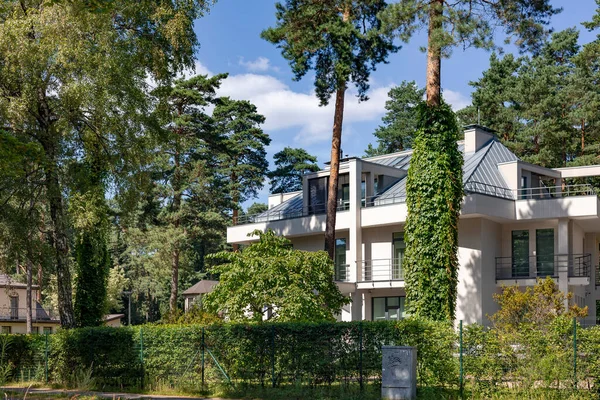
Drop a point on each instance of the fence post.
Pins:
(142, 356)
(460, 357)
(202, 348)
(575, 352)
(46, 359)
(360, 354)
(273, 354)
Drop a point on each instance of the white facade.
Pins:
(518, 222)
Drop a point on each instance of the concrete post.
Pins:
(399, 372)
(355, 234)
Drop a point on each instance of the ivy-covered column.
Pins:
(434, 196)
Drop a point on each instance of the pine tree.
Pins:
(400, 121)
(341, 41)
(290, 165)
(431, 233)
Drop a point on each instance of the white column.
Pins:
(355, 234)
(590, 291)
(563, 261)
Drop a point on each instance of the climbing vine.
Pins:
(434, 194)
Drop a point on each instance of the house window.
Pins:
(47, 329)
(14, 307)
(35, 330)
(6, 329)
(544, 250)
(317, 195)
(344, 197)
(523, 187)
(398, 249)
(385, 308)
(340, 260)
(520, 254)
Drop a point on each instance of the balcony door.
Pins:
(520, 254)
(14, 307)
(398, 249)
(544, 250)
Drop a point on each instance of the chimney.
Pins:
(476, 137)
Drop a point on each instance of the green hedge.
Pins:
(307, 354)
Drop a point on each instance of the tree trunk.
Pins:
(38, 293)
(334, 170)
(176, 223)
(434, 55)
(582, 135)
(29, 326)
(59, 238)
(235, 212)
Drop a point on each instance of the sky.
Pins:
(229, 37)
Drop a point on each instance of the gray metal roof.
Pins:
(480, 174)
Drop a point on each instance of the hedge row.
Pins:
(267, 354)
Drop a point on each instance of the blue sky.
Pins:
(230, 42)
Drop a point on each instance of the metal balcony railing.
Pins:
(20, 314)
(541, 266)
(296, 212)
(385, 269)
(342, 272)
(553, 192)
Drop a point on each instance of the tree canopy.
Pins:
(269, 280)
(290, 165)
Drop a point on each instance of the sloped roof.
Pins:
(204, 286)
(480, 174)
(9, 281)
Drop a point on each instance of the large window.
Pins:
(544, 250)
(317, 195)
(341, 268)
(520, 254)
(387, 308)
(398, 249)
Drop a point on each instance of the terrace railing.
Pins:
(541, 266)
(20, 314)
(384, 269)
(342, 272)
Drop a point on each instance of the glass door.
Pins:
(340, 260)
(14, 307)
(544, 247)
(398, 249)
(520, 254)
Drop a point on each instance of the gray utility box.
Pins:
(399, 372)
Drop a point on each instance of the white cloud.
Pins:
(456, 99)
(261, 64)
(199, 69)
(285, 108)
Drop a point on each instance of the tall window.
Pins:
(14, 307)
(544, 250)
(341, 268)
(387, 308)
(398, 249)
(520, 254)
(317, 195)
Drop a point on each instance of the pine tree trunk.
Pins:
(176, 222)
(235, 213)
(38, 293)
(29, 326)
(334, 170)
(434, 55)
(582, 136)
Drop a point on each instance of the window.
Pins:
(398, 249)
(384, 308)
(344, 197)
(523, 187)
(340, 260)
(47, 329)
(14, 307)
(544, 250)
(35, 330)
(520, 254)
(6, 329)
(317, 195)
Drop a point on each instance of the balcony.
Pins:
(385, 270)
(38, 314)
(342, 273)
(541, 266)
(289, 213)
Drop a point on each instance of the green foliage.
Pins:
(298, 285)
(338, 39)
(400, 120)
(473, 23)
(100, 354)
(257, 208)
(193, 315)
(434, 195)
(290, 165)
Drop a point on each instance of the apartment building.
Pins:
(518, 222)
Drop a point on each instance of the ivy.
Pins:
(434, 194)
